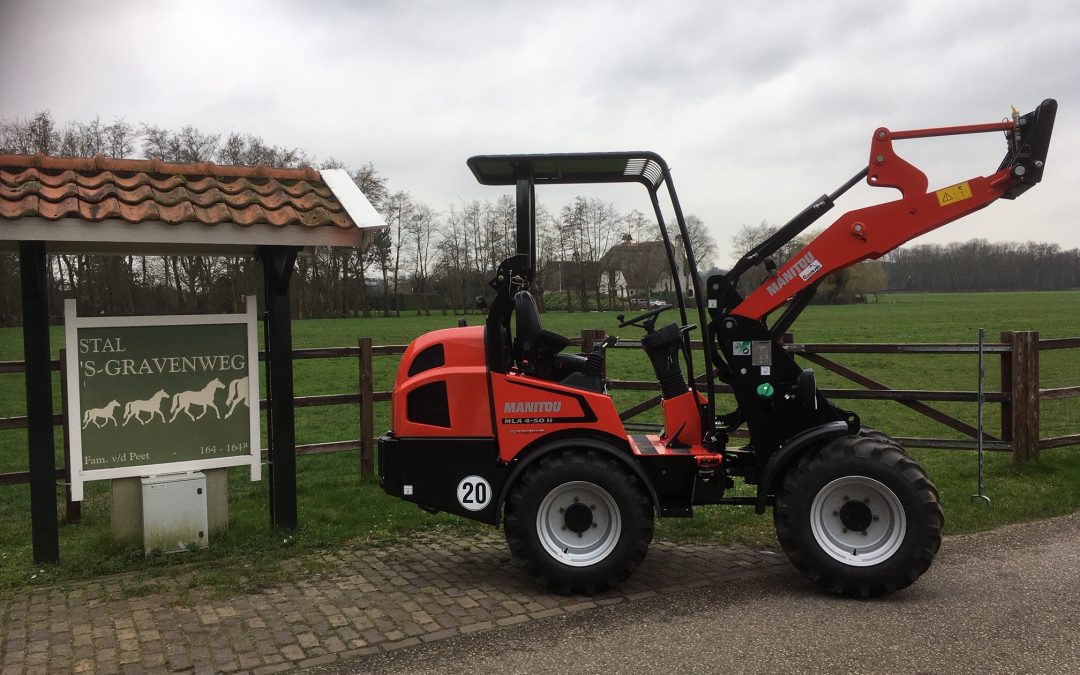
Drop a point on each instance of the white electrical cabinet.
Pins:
(174, 512)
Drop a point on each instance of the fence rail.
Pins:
(1019, 396)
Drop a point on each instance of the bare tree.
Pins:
(702, 243)
(187, 146)
(421, 229)
(250, 150)
(26, 137)
(399, 210)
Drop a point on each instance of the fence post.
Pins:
(586, 340)
(1006, 387)
(72, 510)
(367, 418)
(1025, 394)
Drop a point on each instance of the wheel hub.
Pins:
(856, 515)
(578, 517)
(578, 523)
(858, 521)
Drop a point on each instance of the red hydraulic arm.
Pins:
(874, 231)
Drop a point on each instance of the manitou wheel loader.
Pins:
(499, 423)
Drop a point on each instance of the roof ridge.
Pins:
(100, 163)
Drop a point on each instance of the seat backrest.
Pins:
(527, 325)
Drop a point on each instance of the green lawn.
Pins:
(337, 509)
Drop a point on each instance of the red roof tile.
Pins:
(98, 188)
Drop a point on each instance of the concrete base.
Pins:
(127, 525)
(217, 500)
(127, 510)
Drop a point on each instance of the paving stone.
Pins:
(334, 644)
(318, 661)
(307, 640)
(368, 601)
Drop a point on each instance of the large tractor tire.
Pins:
(579, 522)
(859, 517)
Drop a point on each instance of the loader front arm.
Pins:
(871, 232)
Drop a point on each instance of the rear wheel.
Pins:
(859, 517)
(579, 522)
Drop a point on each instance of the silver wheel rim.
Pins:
(559, 524)
(843, 507)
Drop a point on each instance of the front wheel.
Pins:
(859, 517)
(578, 522)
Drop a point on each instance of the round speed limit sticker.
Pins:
(473, 493)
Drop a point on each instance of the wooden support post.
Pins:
(39, 402)
(586, 340)
(1006, 387)
(600, 335)
(281, 426)
(72, 509)
(367, 412)
(1025, 394)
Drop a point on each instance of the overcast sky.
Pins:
(758, 107)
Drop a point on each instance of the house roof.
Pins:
(148, 205)
(628, 249)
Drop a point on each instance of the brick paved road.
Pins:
(368, 601)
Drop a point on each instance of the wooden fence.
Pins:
(1019, 395)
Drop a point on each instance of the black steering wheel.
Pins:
(651, 314)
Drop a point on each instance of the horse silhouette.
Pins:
(105, 414)
(151, 405)
(204, 397)
(238, 393)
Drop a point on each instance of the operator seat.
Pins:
(537, 350)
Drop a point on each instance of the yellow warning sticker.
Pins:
(955, 193)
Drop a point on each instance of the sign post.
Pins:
(152, 395)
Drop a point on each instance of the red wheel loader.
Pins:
(499, 423)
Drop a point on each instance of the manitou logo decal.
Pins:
(532, 406)
(806, 267)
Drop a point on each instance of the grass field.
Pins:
(336, 508)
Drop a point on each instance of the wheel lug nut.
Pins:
(836, 513)
(866, 500)
(864, 533)
(845, 498)
(562, 510)
(877, 517)
(845, 530)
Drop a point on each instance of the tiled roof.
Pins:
(135, 191)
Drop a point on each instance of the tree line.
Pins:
(440, 260)
(975, 265)
(981, 265)
(427, 259)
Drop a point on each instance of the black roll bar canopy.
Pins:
(644, 167)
